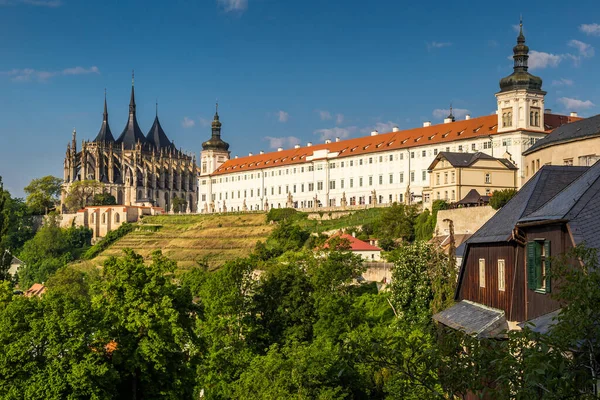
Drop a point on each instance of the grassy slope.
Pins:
(191, 238)
(213, 239)
(355, 218)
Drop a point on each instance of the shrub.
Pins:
(109, 239)
(501, 197)
(284, 214)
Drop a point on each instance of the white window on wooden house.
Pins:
(501, 275)
(482, 272)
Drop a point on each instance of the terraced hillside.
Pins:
(187, 239)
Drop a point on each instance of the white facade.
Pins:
(381, 168)
(325, 177)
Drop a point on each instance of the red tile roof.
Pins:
(434, 134)
(356, 244)
(37, 289)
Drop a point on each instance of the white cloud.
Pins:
(39, 3)
(29, 74)
(444, 112)
(575, 104)
(540, 59)
(332, 133)
(188, 122)
(437, 45)
(562, 82)
(283, 116)
(585, 50)
(381, 127)
(283, 141)
(324, 115)
(590, 29)
(233, 5)
(339, 118)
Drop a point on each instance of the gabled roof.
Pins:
(157, 136)
(470, 129)
(579, 130)
(579, 205)
(37, 289)
(474, 319)
(356, 244)
(459, 160)
(473, 197)
(543, 186)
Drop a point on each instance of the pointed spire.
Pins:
(105, 115)
(132, 100)
(450, 115)
(156, 108)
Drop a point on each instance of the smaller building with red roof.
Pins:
(367, 251)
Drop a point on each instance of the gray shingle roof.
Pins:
(579, 203)
(543, 186)
(473, 319)
(467, 159)
(578, 130)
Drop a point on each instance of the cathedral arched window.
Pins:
(503, 119)
(509, 119)
(139, 194)
(537, 119)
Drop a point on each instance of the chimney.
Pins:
(426, 124)
(262, 152)
(250, 154)
(548, 111)
(448, 120)
(468, 117)
(236, 157)
(573, 114)
(395, 129)
(297, 146)
(308, 144)
(337, 139)
(327, 141)
(280, 149)
(374, 133)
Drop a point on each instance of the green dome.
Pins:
(521, 78)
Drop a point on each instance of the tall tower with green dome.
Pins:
(521, 98)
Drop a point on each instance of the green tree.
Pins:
(4, 256)
(396, 222)
(81, 194)
(50, 249)
(43, 194)
(50, 350)
(416, 267)
(103, 199)
(150, 319)
(179, 204)
(501, 197)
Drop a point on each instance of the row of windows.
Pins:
(487, 178)
(500, 270)
(103, 219)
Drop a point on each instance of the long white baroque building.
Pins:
(376, 169)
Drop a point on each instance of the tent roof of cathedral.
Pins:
(105, 135)
(157, 136)
(473, 128)
(132, 132)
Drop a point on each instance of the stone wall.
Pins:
(466, 220)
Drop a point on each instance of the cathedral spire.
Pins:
(132, 99)
(132, 134)
(105, 114)
(105, 135)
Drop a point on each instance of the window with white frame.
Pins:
(482, 272)
(501, 275)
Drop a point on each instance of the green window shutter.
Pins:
(547, 251)
(531, 281)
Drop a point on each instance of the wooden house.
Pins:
(502, 280)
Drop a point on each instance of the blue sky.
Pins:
(283, 71)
